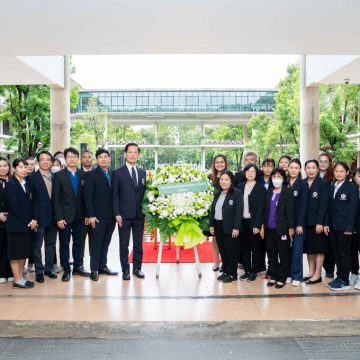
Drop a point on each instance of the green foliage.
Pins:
(27, 108)
(74, 96)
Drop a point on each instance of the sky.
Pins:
(181, 71)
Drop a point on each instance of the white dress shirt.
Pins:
(130, 170)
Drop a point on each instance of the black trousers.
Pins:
(87, 232)
(100, 241)
(5, 269)
(341, 245)
(355, 249)
(137, 227)
(229, 249)
(278, 255)
(251, 248)
(329, 260)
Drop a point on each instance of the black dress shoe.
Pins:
(30, 283)
(39, 278)
(81, 271)
(126, 275)
(306, 278)
(50, 274)
(107, 271)
(66, 275)
(94, 276)
(19, 286)
(138, 273)
(271, 283)
(313, 282)
(279, 285)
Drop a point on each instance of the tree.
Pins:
(27, 108)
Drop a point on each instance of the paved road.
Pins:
(159, 349)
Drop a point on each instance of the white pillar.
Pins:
(309, 116)
(202, 142)
(156, 128)
(60, 112)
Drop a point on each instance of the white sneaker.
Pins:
(57, 268)
(353, 279)
(10, 279)
(31, 268)
(357, 286)
(288, 280)
(296, 283)
(2, 280)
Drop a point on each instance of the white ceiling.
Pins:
(85, 27)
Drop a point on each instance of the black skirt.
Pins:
(315, 243)
(20, 245)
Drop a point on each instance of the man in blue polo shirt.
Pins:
(69, 212)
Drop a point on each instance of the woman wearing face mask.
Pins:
(250, 240)
(278, 227)
(315, 243)
(225, 224)
(219, 165)
(355, 243)
(343, 205)
(56, 166)
(300, 193)
(5, 269)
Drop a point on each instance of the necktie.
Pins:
(133, 176)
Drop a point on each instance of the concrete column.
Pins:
(202, 142)
(156, 129)
(60, 112)
(309, 116)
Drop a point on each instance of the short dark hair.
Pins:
(72, 151)
(44, 152)
(131, 144)
(29, 158)
(58, 153)
(100, 151)
(248, 167)
(280, 171)
(19, 161)
(232, 178)
(343, 164)
(268, 161)
(284, 157)
(312, 161)
(357, 171)
(86, 151)
(295, 161)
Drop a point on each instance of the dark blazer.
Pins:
(318, 199)
(232, 211)
(284, 211)
(256, 204)
(127, 200)
(98, 195)
(20, 207)
(357, 219)
(300, 193)
(343, 209)
(3, 205)
(68, 206)
(43, 207)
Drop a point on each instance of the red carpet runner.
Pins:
(168, 255)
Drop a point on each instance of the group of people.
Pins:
(62, 200)
(277, 212)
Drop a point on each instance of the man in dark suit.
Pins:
(69, 212)
(128, 185)
(41, 187)
(99, 209)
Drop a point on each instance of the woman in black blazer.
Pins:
(5, 269)
(278, 227)
(355, 243)
(219, 165)
(20, 223)
(340, 224)
(300, 193)
(316, 241)
(253, 219)
(225, 224)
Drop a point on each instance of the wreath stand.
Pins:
(197, 261)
